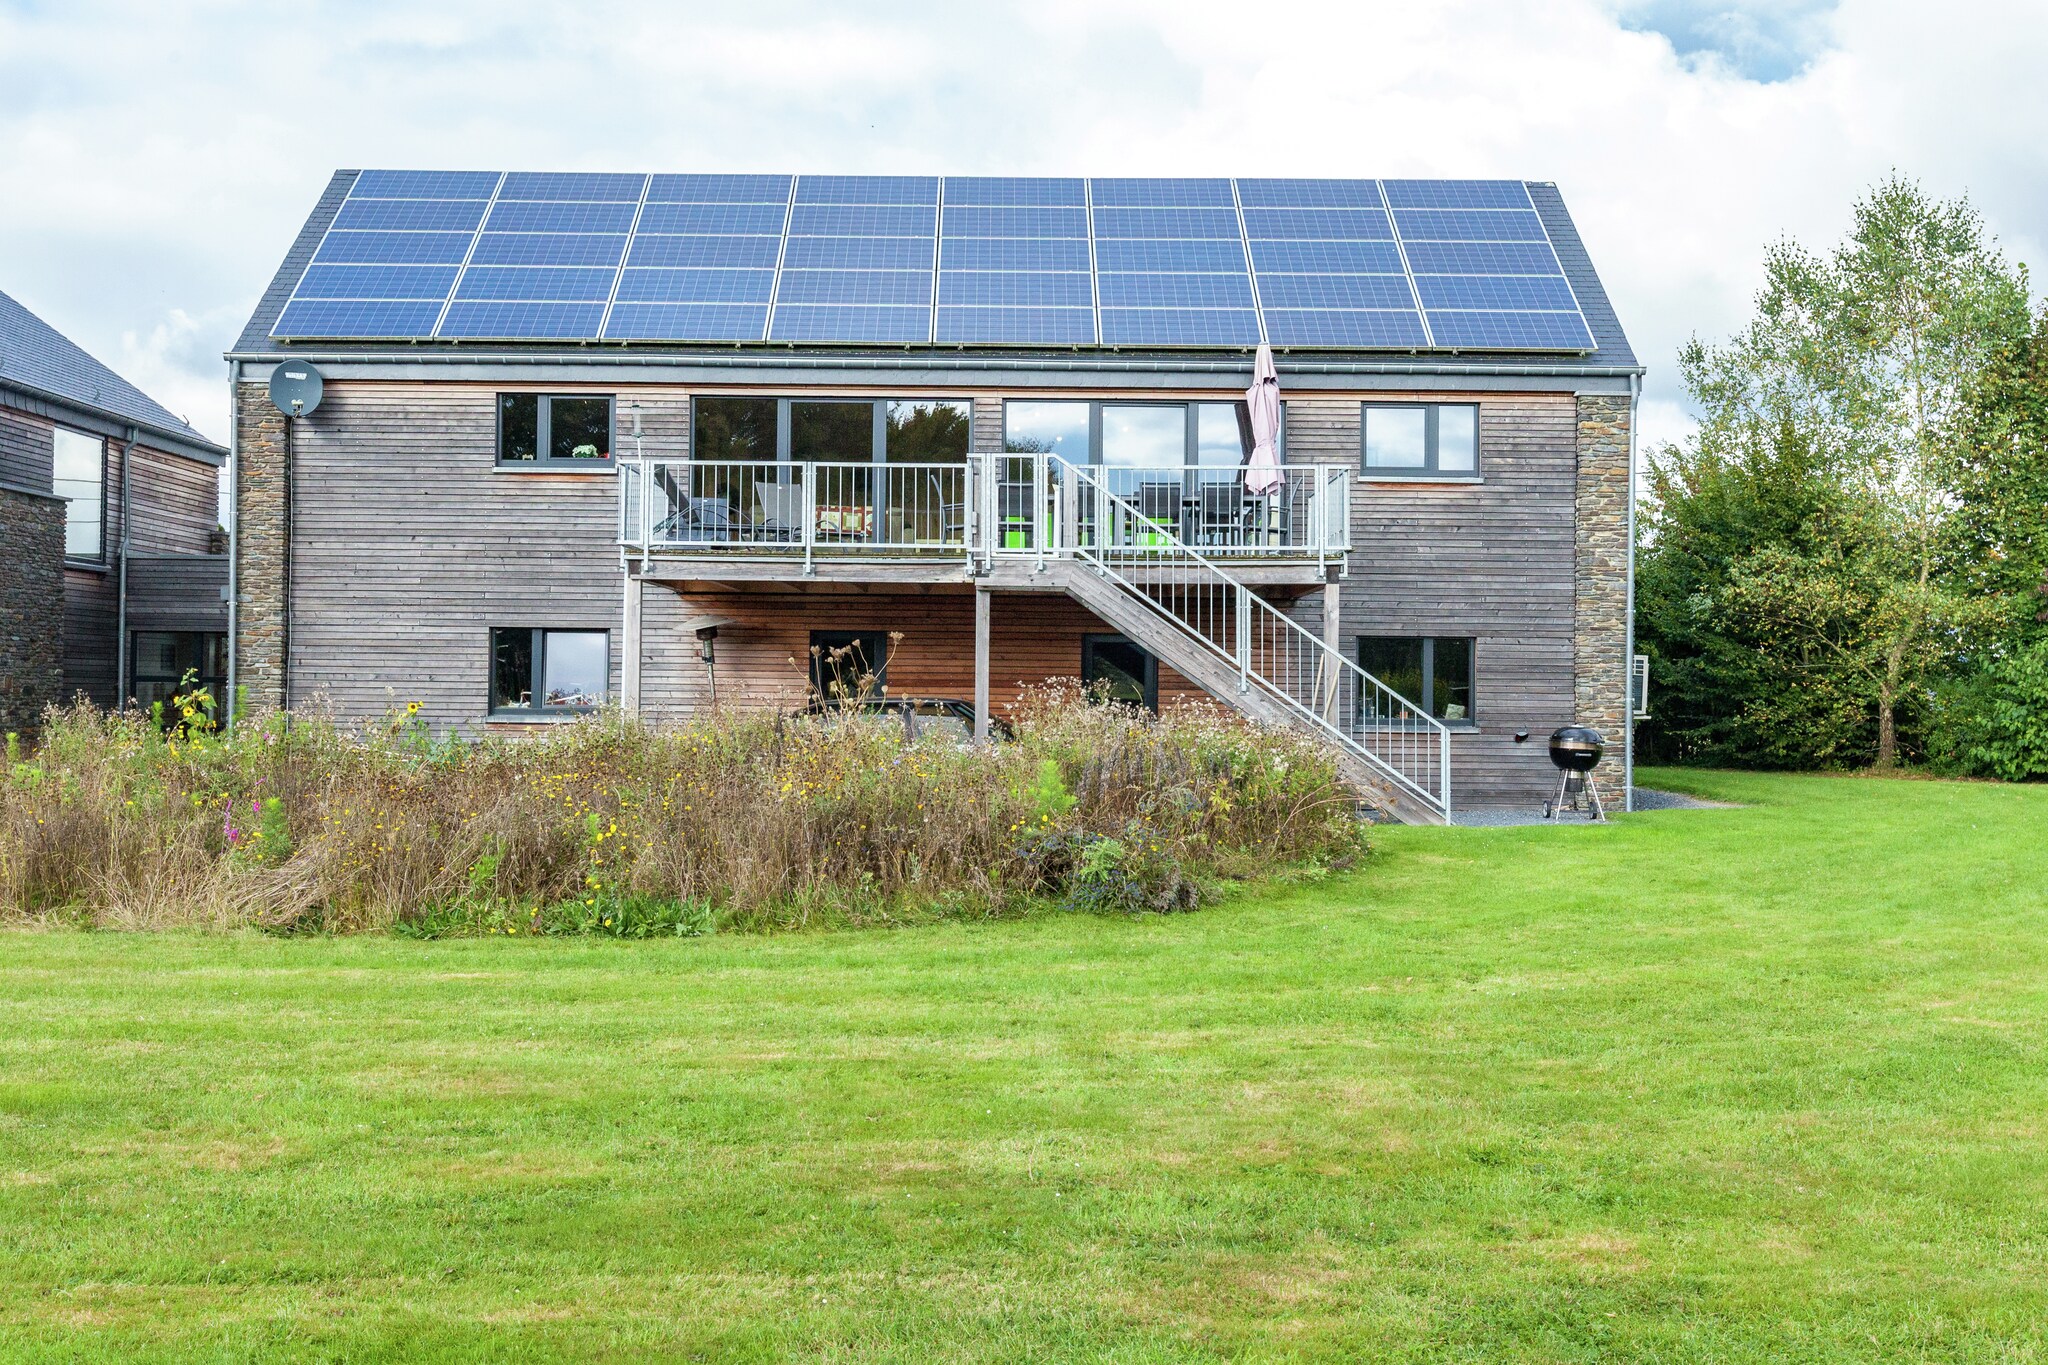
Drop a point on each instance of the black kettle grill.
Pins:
(1576, 751)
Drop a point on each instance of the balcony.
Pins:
(989, 515)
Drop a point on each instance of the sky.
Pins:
(159, 157)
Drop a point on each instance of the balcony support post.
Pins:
(1330, 637)
(982, 604)
(629, 649)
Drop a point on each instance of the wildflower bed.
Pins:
(612, 828)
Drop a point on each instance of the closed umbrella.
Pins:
(1262, 399)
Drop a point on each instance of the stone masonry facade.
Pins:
(261, 533)
(31, 606)
(1600, 583)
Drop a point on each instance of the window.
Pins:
(831, 430)
(1435, 671)
(1214, 438)
(1125, 672)
(159, 660)
(849, 665)
(1416, 440)
(78, 474)
(536, 429)
(541, 671)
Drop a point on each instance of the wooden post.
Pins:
(1330, 638)
(981, 620)
(629, 650)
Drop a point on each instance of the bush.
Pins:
(739, 820)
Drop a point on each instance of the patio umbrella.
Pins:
(1262, 400)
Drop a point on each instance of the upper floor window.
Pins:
(569, 429)
(78, 474)
(1420, 439)
(1212, 437)
(831, 430)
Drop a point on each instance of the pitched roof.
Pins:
(37, 358)
(392, 218)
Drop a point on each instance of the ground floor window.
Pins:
(549, 670)
(159, 660)
(1125, 672)
(849, 665)
(1432, 671)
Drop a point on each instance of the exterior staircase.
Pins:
(1138, 574)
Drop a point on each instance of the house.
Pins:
(112, 565)
(687, 440)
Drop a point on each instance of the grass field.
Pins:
(1755, 1084)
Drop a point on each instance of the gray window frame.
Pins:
(544, 431)
(878, 449)
(99, 560)
(1192, 441)
(1471, 717)
(1431, 469)
(1148, 685)
(538, 672)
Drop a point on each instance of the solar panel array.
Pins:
(873, 260)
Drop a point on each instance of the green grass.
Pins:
(1755, 1084)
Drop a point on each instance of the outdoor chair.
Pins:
(952, 512)
(780, 507)
(1222, 515)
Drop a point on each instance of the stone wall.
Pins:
(1600, 583)
(261, 534)
(31, 606)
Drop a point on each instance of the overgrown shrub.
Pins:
(743, 820)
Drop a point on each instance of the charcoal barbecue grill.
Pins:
(1576, 751)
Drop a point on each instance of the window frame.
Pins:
(1470, 720)
(1148, 685)
(878, 448)
(218, 682)
(1191, 447)
(1431, 469)
(537, 673)
(99, 559)
(544, 432)
(822, 640)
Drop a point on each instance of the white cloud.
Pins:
(174, 150)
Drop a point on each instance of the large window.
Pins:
(1214, 438)
(1432, 671)
(1416, 440)
(831, 430)
(554, 429)
(541, 671)
(159, 661)
(78, 474)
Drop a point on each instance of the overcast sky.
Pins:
(158, 157)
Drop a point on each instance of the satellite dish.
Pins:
(296, 387)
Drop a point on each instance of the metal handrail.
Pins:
(1270, 650)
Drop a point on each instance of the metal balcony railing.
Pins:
(984, 506)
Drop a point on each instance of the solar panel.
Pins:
(856, 286)
(619, 189)
(417, 215)
(1180, 327)
(697, 286)
(813, 322)
(737, 253)
(548, 248)
(695, 321)
(1016, 288)
(975, 260)
(986, 189)
(557, 217)
(1017, 326)
(522, 320)
(1175, 291)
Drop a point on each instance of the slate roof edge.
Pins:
(257, 331)
(1584, 278)
(66, 408)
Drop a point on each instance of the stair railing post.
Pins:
(970, 513)
(1244, 638)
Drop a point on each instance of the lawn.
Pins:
(1757, 1084)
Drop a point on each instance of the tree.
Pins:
(1865, 361)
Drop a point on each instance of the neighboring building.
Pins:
(681, 440)
(112, 568)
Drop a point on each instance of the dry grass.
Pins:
(766, 821)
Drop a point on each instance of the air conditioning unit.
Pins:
(1639, 687)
